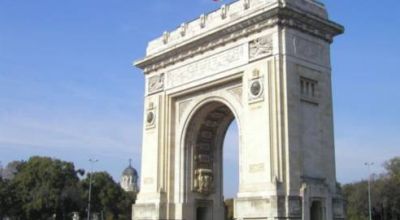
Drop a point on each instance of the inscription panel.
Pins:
(208, 66)
(144, 211)
(256, 168)
(310, 50)
(254, 208)
(148, 181)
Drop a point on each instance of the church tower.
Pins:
(129, 179)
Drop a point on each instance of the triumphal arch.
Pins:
(265, 63)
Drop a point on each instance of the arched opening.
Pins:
(230, 168)
(316, 210)
(210, 131)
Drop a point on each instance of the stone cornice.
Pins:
(281, 16)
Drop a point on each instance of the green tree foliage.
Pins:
(125, 205)
(44, 188)
(354, 193)
(9, 202)
(391, 190)
(385, 194)
(108, 198)
(393, 168)
(11, 169)
(4, 195)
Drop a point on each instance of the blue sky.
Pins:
(68, 89)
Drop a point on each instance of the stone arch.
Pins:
(202, 142)
(253, 62)
(224, 97)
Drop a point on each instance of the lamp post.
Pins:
(92, 161)
(369, 164)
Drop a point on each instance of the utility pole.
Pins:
(369, 164)
(90, 185)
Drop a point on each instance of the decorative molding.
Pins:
(156, 83)
(225, 60)
(316, 7)
(260, 47)
(284, 17)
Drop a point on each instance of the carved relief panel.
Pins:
(208, 66)
(155, 83)
(260, 47)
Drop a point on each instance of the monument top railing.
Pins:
(225, 20)
(224, 15)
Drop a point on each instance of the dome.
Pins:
(129, 171)
(129, 179)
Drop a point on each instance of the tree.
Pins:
(108, 197)
(393, 168)
(385, 193)
(125, 205)
(9, 202)
(11, 169)
(354, 193)
(46, 187)
(391, 190)
(4, 195)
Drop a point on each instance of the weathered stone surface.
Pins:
(265, 63)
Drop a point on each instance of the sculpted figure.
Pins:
(204, 181)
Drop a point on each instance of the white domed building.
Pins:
(129, 179)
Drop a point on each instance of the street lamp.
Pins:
(369, 164)
(92, 161)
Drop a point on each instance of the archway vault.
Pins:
(203, 168)
(207, 115)
(209, 132)
(202, 116)
(265, 63)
